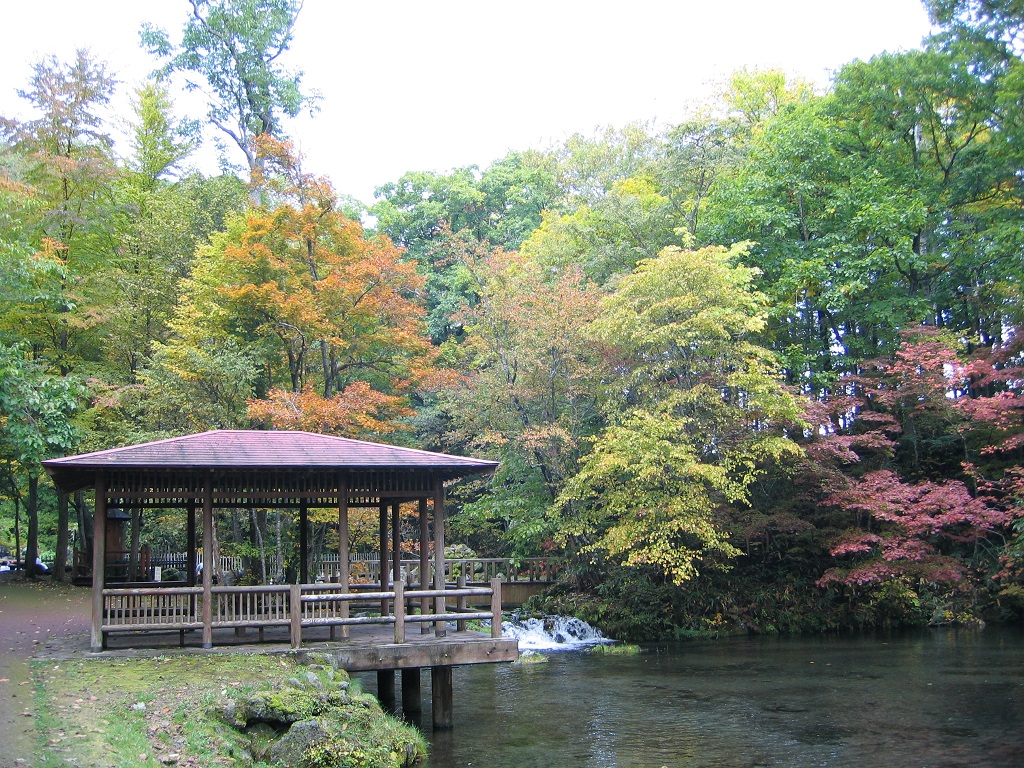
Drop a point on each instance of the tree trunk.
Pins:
(17, 530)
(259, 523)
(84, 525)
(218, 575)
(60, 558)
(279, 571)
(136, 543)
(32, 511)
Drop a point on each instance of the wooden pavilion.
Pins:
(225, 469)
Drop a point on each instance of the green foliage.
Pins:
(34, 410)
(160, 141)
(500, 207)
(230, 50)
(649, 499)
(883, 204)
(701, 415)
(63, 172)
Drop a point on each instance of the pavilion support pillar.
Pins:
(412, 701)
(303, 543)
(208, 564)
(386, 688)
(190, 527)
(440, 627)
(442, 698)
(99, 564)
(396, 542)
(383, 562)
(424, 564)
(343, 554)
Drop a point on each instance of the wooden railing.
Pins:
(366, 567)
(266, 606)
(169, 608)
(296, 606)
(483, 569)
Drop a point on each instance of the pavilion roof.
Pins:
(248, 450)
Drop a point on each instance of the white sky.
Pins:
(427, 85)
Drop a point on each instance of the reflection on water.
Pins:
(936, 699)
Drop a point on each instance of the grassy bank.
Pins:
(170, 711)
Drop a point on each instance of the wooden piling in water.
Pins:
(411, 695)
(442, 698)
(386, 688)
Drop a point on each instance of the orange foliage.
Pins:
(355, 412)
(339, 306)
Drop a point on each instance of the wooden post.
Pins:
(495, 607)
(396, 543)
(424, 563)
(295, 614)
(191, 563)
(99, 565)
(386, 688)
(442, 698)
(399, 612)
(208, 564)
(384, 570)
(461, 602)
(190, 578)
(411, 698)
(440, 628)
(303, 543)
(343, 547)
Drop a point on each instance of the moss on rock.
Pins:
(318, 719)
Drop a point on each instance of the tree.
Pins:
(699, 415)
(630, 222)
(230, 49)
(65, 166)
(920, 459)
(159, 141)
(501, 207)
(34, 425)
(527, 392)
(302, 289)
(158, 227)
(1001, 20)
(883, 205)
(904, 528)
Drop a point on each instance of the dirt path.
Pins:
(30, 614)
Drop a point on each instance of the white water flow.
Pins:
(552, 633)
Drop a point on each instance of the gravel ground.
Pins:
(31, 614)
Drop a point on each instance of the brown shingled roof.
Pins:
(257, 449)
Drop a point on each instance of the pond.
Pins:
(938, 698)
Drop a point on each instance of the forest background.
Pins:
(758, 370)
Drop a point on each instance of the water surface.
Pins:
(941, 698)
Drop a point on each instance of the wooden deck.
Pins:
(368, 648)
(408, 629)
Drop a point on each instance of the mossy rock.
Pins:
(530, 657)
(310, 694)
(316, 719)
(331, 742)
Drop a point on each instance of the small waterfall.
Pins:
(552, 633)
